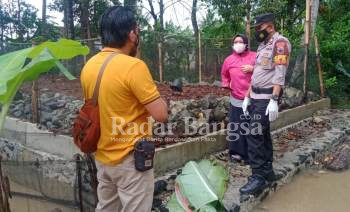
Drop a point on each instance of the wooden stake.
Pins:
(319, 67)
(282, 25)
(4, 191)
(199, 57)
(306, 50)
(160, 62)
(307, 22)
(35, 101)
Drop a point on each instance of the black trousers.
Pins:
(260, 151)
(237, 142)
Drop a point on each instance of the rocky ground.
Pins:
(338, 159)
(317, 141)
(204, 103)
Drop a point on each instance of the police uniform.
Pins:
(271, 65)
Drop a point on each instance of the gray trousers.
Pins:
(121, 188)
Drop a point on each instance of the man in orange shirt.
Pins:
(128, 97)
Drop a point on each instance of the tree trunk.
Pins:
(85, 32)
(161, 15)
(68, 19)
(298, 67)
(247, 29)
(196, 31)
(152, 12)
(20, 28)
(43, 19)
(84, 19)
(160, 37)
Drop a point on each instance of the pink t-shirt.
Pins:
(232, 75)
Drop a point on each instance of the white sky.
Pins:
(179, 11)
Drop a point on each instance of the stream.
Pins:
(311, 191)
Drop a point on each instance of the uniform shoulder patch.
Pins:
(281, 53)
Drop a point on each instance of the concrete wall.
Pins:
(167, 158)
(296, 114)
(177, 155)
(30, 136)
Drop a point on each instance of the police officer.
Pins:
(268, 77)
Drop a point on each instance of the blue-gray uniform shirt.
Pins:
(272, 61)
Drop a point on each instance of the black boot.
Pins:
(271, 177)
(255, 184)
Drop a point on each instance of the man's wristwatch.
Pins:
(275, 98)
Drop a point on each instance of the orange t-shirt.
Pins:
(126, 86)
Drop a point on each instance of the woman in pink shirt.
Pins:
(236, 75)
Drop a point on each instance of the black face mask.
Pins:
(261, 35)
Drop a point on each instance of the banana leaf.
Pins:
(200, 187)
(339, 66)
(27, 64)
(217, 176)
(173, 205)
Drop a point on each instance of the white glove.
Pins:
(272, 110)
(245, 104)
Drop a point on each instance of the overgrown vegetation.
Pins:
(334, 31)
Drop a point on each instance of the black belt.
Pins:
(259, 90)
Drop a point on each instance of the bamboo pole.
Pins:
(319, 67)
(199, 57)
(160, 62)
(306, 47)
(282, 25)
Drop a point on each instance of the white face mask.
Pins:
(239, 47)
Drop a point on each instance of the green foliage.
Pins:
(341, 68)
(334, 37)
(28, 64)
(21, 24)
(232, 13)
(178, 44)
(218, 28)
(331, 82)
(96, 9)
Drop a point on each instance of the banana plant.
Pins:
(27, 64)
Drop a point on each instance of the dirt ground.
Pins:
(72, 88)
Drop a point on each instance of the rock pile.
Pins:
(57, 111)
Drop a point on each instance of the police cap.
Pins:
(264, 18)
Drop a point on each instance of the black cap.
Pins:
(264, 18)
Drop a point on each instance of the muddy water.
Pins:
(311, 191)
(27, 204)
